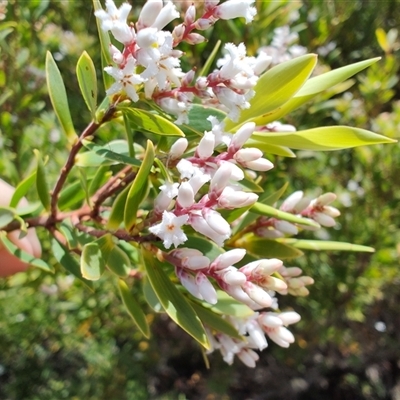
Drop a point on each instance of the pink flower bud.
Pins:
(185, 195)
(257, 294)
(232, 276)
(262, 268)
(190, 15)
(227, 259)
(178, 32)
(116, 55)
(242, 135)
(189, 283)
(194, 38)
(236, 199)
(205, 149)
(196, 262)
(206, 289)
(270, 320)
(286, 227)
(203, 24)
(289, 317)
(262, 164)
(324, 220)
(248, 357)
(331, 211)
(249, 154)
(210, 4)
(188, 78)
(199, 224)
(216, 221)
(178, 148)
(290, 203)
(167, 14)
(325, 199)
(220, 179)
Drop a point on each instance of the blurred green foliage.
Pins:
(60, 341)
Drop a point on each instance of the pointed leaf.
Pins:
(138, 188)
(151, 297)
(265, 248)
(92, 263)
(271, 148)
(7, 215)
(118, 262)
(117, 212)
(276, 86)
(71, 195)
(58, 97)
(87, 80)
(152, 123)
(268, 211)
(323, 139)
(133, 308)
(22, 189)
(23, 256)
(313, 87)
(325, 245)
(215, 321)
(173, 301)
(41, 183)
(69, 262)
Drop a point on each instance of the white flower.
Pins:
(169, 230)
(235, 9)
(114, 20)
(126, 79)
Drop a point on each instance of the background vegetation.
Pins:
(60, 341)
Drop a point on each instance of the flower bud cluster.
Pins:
(316, 209)
(189, 202)
(254, 330)
(296, 284)
(149, 61)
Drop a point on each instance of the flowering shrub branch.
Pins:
(187, 203)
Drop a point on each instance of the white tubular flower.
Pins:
(262, 164)
(205, 149)
(126, 80)
(286, 227)
(257, 294)
(178, 148)
(246, 155)
(231, 276)
(235, 9)
(186, 168)
(189, 283)
(227, 259)
(149, 13)
(167, 14)
(241, 136)
(206, 289)
(221, 179)
(231, 198)
(256, 334)
(233, 101)
(185, 195)
(114, 20)
(169, 230)
(257, 270)
(198, 179)
(279, 334)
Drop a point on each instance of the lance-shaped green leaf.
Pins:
(58, 97)
(173, 301)
(41, 183)
(22, 189)
(87, 80)
(271, 148)
(133, 308)
(100, 178)
(117, 212)
(215, 321)
(210, 59)
(265, 248)
(22, 255)
(114, 151)
(276, 86)
(137, 191)
(7, 215)
(151, 297)
(92, 262)
(325, 245)
(69, 262)
(313, 87)
(71, 195)
(150, 122)
(326, 138)
(268, 211)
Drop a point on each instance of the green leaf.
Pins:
(265, 248)
(271, 148)
(7, 215)
(87, 80)
(151, 297)
(58, 97)
(23, 256)
(150, 122)
(69, 262)
(92, 263)
(115, 151)
(22, 189)
(206, 246)
(313, 87)
(326, 138)
(214, 321)
(71, 195)
(210, 59)
(227, 305)
(173, 301)
(138, 188)
(325, 245)
(117, 212)
(276, 86)
(268, 211)
(133, 308)
(102, 175)
(41, 183)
